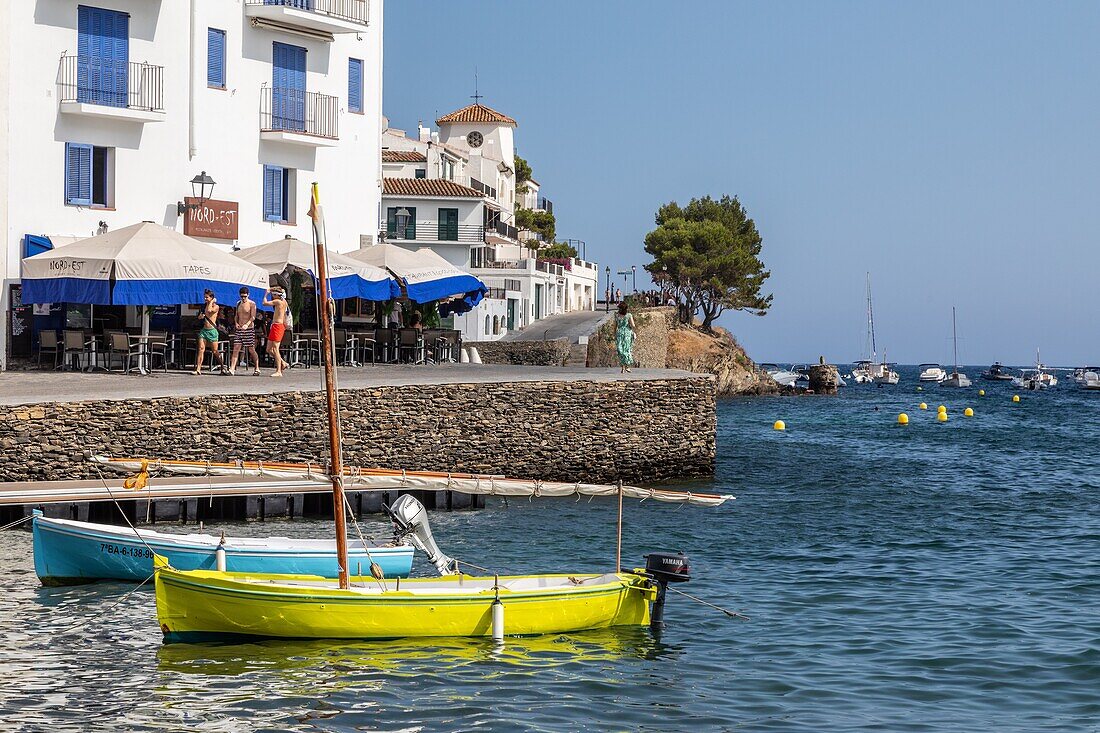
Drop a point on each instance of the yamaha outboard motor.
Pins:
(664, 568)
(410, 523)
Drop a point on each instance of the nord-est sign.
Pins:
(214, 219)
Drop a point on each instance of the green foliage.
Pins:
(558, 251)
(709, 253)
(431, 314)
(297, 297)
(523, 174)
(542, 222)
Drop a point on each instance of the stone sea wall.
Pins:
(639, 430)
(523, 353)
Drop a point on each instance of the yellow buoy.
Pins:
(942, 417)
(923, 406)
(1015, 398)
(981, 393)
(941, 408)
(780, 425)
(903, 419)
(969, 412)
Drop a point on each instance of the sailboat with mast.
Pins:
(868, 370)
(199, 605)
(862, 369)
(956, 378)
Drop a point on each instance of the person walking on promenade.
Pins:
(618, 296)
(277, 300)
(244, 333)
(624, 338)
(208, 333)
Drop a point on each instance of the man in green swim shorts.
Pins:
(208, 333)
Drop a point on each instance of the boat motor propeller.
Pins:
(664, 568)
(410, 523)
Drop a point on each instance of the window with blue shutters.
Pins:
(278, 194)
(78, 174)
(87, 175)
(355, 85)
(215, 58)
(103, 56)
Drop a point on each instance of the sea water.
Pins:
(931, 577)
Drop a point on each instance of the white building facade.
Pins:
(109, 108)
(472, 157)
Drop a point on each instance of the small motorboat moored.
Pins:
(997, 373)
(68, 552)
(930, 372)
(783, 377)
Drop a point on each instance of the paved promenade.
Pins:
(20, 388)
(569, 326)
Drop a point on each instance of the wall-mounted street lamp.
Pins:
(202, 188)
(402, 217)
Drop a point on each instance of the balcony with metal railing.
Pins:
(299, 117)
(501, 232)
(317, 16)
(105, 87)
(435, 231)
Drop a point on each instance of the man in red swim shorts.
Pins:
(276, 298)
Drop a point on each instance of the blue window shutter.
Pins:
(103, 55)
(215, 57)
(288, 82)
(78, 174)
(273, 193)
(355, 85)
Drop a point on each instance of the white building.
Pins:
(454, 191)
(108, 109)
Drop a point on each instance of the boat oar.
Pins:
(731, 614)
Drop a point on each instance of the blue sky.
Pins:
(950, 149)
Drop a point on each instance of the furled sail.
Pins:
(382, 479)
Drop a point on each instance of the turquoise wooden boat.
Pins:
(68, 552)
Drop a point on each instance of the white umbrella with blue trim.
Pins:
(347, 278)
(142, 264)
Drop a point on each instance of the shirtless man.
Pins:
(244, 333)
(208, 332)
(277, 300)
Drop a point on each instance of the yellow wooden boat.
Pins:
(200, 605)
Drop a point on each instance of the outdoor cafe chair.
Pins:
(345, 346)
(304, 349)
(77, 348)
(48, 343)
(366, 345)
(157, 348)
(384, 345)
(119, 345)
(411, 342)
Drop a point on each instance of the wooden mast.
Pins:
(336, 467)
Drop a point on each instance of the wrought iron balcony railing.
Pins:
(435, 231)
(356, 11)
(111, 83)
(293, 110)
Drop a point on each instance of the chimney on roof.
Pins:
(425, 133)
(435, 138)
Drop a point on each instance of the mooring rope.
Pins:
(107, 610)
(17, 521)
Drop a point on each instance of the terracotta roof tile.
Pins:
(475, 113)
(427, 187)
(403, 156)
